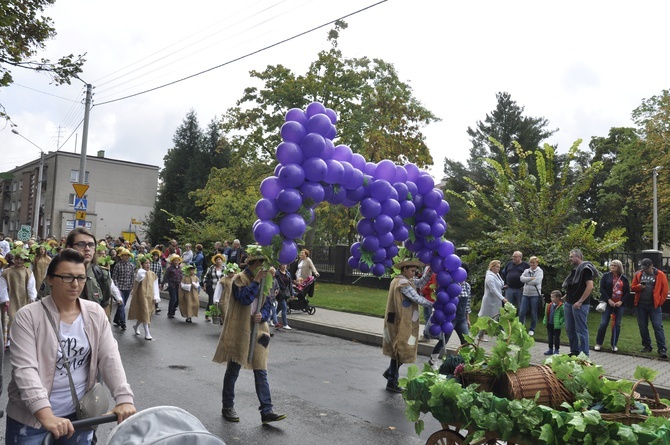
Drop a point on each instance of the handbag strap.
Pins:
(73, 392)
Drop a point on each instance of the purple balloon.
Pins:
(379, 255)
(370, 168)
(386, 239)
(291, 176)
(293, 132)
(355, 250)
(432, 199)
(438, 317)
(297, 115)
(278, 167)
(383, 223)
(445, 249)
(331, 115)
(327, 191)
(428, 215)
(459, 275)
(264, 231)
(370, 208)
(436, 263)
(452, 262)
(313, 191)
(442, 297)
(370, 243)
(289, 200)
(338, 196)
(391, 251)
(400, 234)
(289, 153)
(366, 227)
(378, 270)
(432, 244)
(318, 123)
(315, 169)
(391, 207)
(443, 279)
(425, 184)
(288, 252)
(454, 290)
(443, 208)
(449, 309)
(266, 208)
(435, 329)
(343, 153)
(292, 226)
(315, 108)
(412, 171)
(313, 145)
(437, 229)
(418, 201)
(380, 189)
(356, 194)
(422, 229)
(363, 267)
(402, 190)
(385, 170)
(358, 161)
(411, 187)
(270, 187)
(407, 209)
(331, 133)
(353, 262)
(357, 179)
(328, 150)
(447, 328)
(348, 174)
(425, 255)
(335, 173)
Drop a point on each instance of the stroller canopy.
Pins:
(164, 425)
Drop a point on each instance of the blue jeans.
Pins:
(18, 433)
(604, 321)
(120, 316)
(527, 301)
(514, 296)
(262, 387)
(281, 307)
(393, 373)
(173, 291)
(273, 314)
(645, 313)
(576, 327)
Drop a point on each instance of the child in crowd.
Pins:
(554, 318)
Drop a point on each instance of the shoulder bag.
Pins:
(95, 401)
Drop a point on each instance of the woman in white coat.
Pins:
(493, 296)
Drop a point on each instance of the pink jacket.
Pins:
(34, 353)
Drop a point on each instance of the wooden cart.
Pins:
(454, 434)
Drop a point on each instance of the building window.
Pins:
(71, 199)
(74, 177)
(13, 206)
(14, 186)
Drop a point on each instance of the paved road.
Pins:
(331, 388)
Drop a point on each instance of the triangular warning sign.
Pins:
(80, 189)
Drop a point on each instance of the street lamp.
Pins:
(38, 194)
(654, 174)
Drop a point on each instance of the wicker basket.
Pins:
(657, 408)
(626, 417)
(485, 380)
(525, 383)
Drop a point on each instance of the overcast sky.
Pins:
(583, 65)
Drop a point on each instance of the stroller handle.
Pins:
(81, 424)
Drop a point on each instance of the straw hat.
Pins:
(124, 252)
(173, 257)
(156, 251)
(3, 262)
(218, 255)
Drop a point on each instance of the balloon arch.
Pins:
(398, 204)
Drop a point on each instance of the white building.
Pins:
(120, 194)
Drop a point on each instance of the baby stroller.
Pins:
(301, 302)
(160, 425)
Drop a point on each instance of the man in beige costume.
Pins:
(401, 323)
(20, 284)
(234, 343)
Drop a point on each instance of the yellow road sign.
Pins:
(80, 190)
(81, 215)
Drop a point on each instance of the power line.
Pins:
(42, 92)
(244, 56)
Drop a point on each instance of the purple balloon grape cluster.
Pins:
(398, 204)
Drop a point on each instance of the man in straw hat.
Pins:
(401, 323)
(235, 341)
(123, 275)
(172, 278)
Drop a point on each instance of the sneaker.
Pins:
(531, 332)
(433, 364)
(271, 323)
(385, 374)
(614, 349)
(279, 326)
(556, 352)
(597, 348)
(188, 320)
(288, 328)
(549, 352)
(230, 414)
(170, 316)
(158, 311)
(646, 349)
(148, 337)
(394, 388)
(663, 354)
(272, 417)
(208, 319)
(123, 326)
(137, 329)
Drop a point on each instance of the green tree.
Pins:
(23, 33)
(534, 213)
(378, 118)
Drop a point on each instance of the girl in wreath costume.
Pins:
(224, 288)
(189, 293)
(401, 322)
(144, 295)
(40, 263)
(20, 284)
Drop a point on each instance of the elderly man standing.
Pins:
(511, 273)
(401, 323)
(579, 285)
(651, 290)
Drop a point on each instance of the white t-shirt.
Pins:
(4, 248)
(75, 346)
(298, 272)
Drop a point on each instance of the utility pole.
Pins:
(84, 137)
(38, 197)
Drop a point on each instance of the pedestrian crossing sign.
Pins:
(80, 204)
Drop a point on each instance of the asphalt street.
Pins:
(331, 388)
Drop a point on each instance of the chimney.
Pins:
(101, 153)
